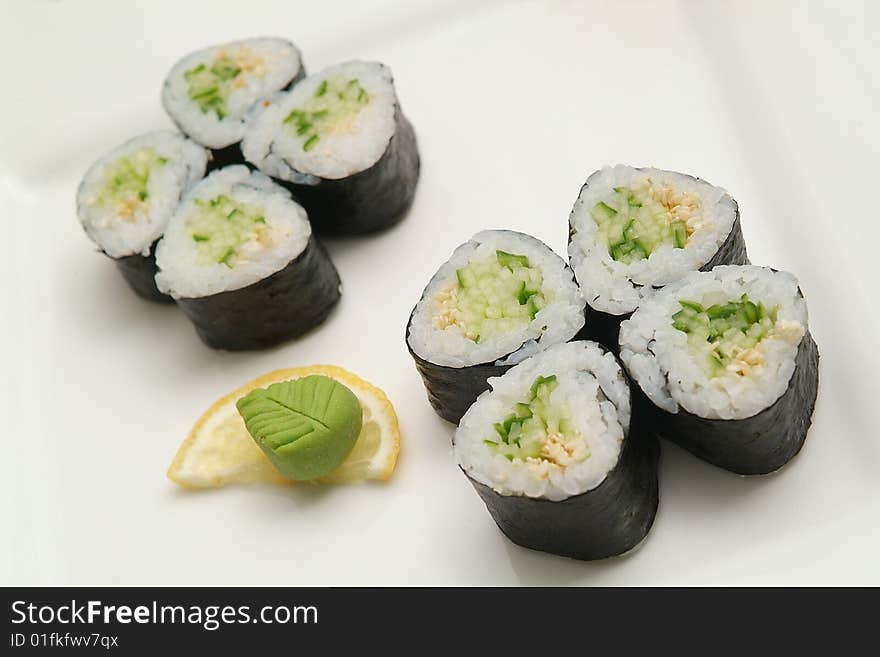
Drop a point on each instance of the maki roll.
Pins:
(240, 260)
(209, 93)
(552, 453)
(128, 196)
(500, 298)
(635, 230)
(340, 142)
(726, 366)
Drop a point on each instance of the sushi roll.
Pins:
(210, 92)
(240, 260)
(552, 452)
(127, 197)
(635, 230)
(340, 142)
(726, 366)
(500, 298)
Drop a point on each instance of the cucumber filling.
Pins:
(635, 221)
(210, 85)
(539, 430)
(126, 181)
(229, 232)
(331, 110)
(491, 297)
(729, 337)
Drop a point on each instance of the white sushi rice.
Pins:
(350, 146)
(593, 388)
(182, 274)
(658, 356)
(558, 322)
(268, 64)
(616, 287)
(130, 227)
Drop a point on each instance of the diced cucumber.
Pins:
(524, 432)
(728, 327)
(679, 234)
(522, 410)
(466, 277)
(533, 308)
(204, 93)
(602, 212)
(511, 260)
(720, 311)
(643, 246)
(542, 385)
(693, 305)
(227, 256)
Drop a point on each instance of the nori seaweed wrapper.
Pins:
(139, 272)
(226, 156)
(759, 444)
(604, 328)
(373, 199)
(452, 390)
(607, 521)
(282, 306)
(601, 327)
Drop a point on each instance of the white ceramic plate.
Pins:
(514, 105)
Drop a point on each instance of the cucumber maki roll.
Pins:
(127, 197)
(726, 366)
(240, 259)
(210, 92)
(635, 230)
(500, 298)
(340, 142)
(552, 453)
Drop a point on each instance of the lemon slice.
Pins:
(219, 451)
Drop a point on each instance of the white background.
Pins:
(514, 104)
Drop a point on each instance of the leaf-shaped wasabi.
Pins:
(307, 427)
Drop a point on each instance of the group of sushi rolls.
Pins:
(287, 157)
(562, 380)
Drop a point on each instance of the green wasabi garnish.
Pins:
(335, 101)
(307, 427)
